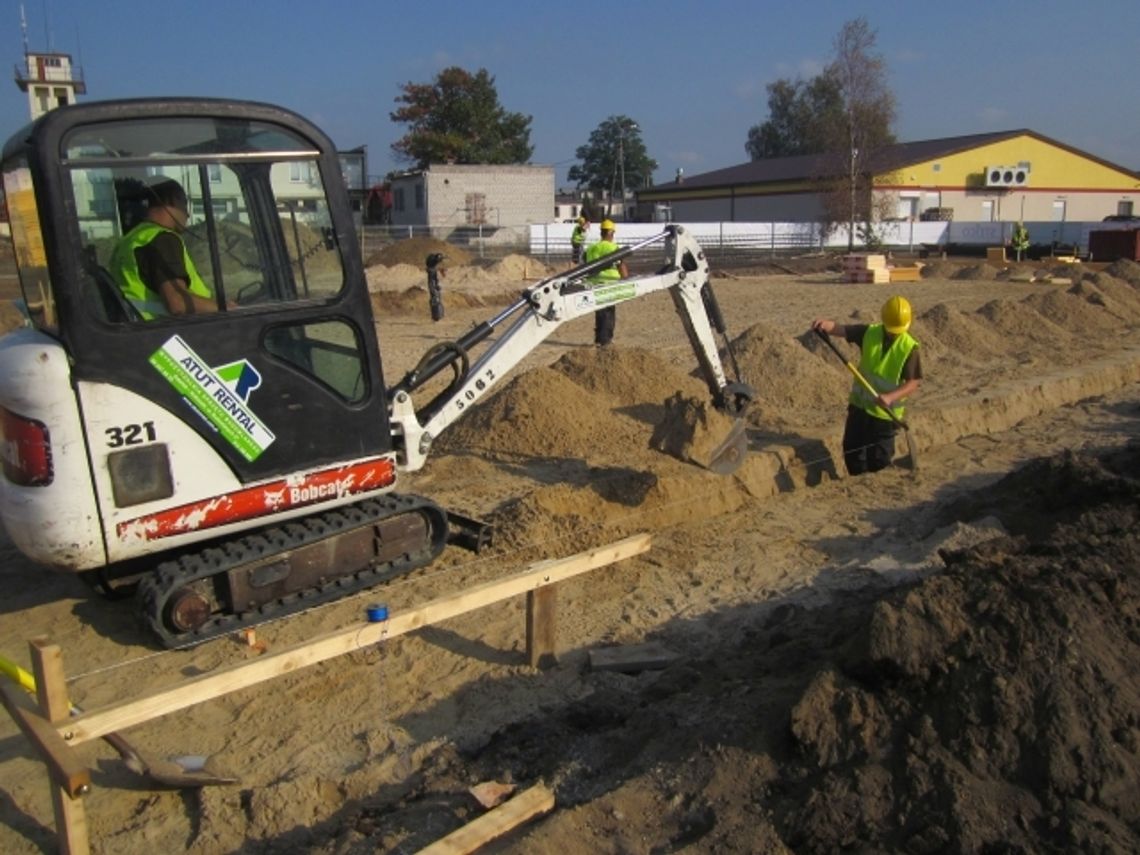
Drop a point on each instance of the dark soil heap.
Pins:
(993, 707)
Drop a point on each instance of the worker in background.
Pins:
(578, 239)
(889, 360)
(605, 319)
(435, 293)
(151, 264)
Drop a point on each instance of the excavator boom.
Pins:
(542, 309)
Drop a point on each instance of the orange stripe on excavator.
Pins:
(265, 500)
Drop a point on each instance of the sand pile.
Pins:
(413, 251)
(638, 381)
(794, 383)
(544, 413)
(1125, 269)
(980, 272)
(944, 331)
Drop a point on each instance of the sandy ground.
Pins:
(822, 625)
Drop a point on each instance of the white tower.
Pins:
(48, 77)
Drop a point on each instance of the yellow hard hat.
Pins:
(607, 225)
(896, 315)
(581, 221)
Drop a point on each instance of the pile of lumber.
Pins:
(873, 268)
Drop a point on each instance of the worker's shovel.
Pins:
(911, 460)
(178, 772)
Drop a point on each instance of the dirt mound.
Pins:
(1021, 323)
(976, 272)
(1126, 269)
(795, 383)
(1082, 307)
(412, 300)
(398, 277)
(639, 381)
(415, 250)
(943, 330)
(543, 413)
(940, 269)
(991, 707)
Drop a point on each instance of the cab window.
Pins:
(257, 227)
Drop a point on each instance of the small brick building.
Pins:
(468, 195)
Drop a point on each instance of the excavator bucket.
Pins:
(696, 432)
(726, 457)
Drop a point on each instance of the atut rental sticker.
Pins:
(606, 294)
(220, 394)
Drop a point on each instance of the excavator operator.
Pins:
(150, 263)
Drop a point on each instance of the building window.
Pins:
(300, 172)
(419, 197)
(214, 170)
(398, 199)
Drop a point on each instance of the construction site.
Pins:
(940, 656)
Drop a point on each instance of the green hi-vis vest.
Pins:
(596, 251)
(125, 269)
(578, 236)
(883, 369)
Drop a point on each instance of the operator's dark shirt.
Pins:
(162, 260)
(912, 368)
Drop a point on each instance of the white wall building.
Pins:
(471, 195)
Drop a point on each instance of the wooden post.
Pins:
(51, 691)
(541, 627)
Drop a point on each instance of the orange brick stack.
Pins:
(865, 268)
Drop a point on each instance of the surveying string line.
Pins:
(432, 573)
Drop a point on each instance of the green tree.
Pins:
(457, 118)
(868, 113)
(614, 158)
(844, 115)
(803, 116)
(1019, 240)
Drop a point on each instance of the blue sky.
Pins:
(691, 74)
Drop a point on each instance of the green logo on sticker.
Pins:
(220, 394)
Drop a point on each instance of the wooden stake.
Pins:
(542, 627)
(51, 690)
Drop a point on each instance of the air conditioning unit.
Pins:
(1007, 176)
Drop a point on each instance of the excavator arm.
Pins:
(542, 309)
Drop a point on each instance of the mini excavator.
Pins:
(228, 467)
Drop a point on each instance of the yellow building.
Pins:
(1005, 176)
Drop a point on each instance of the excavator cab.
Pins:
(129, 431)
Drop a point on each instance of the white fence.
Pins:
(554, 238)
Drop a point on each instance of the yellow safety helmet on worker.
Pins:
(896, 315)
(607, 225)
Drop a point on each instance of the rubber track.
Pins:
(155, 589)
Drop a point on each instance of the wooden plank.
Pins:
(630, 658)
(906, 274)
(63, 767)
(542, 627)
(95, 723)
(511, 814)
